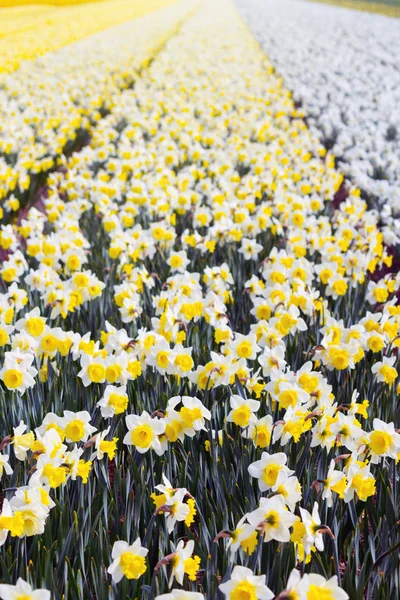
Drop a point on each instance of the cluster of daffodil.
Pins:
(187, 305)
(25, 514)
(49, 105)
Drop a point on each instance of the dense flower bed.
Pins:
(27, 32)
(199, 384)
(49, 106)
(342, 66)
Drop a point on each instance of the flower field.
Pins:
(349, 91)
(199, 329)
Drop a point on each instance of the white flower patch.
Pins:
(343, 69)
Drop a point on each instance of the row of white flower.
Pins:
(342, 65)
